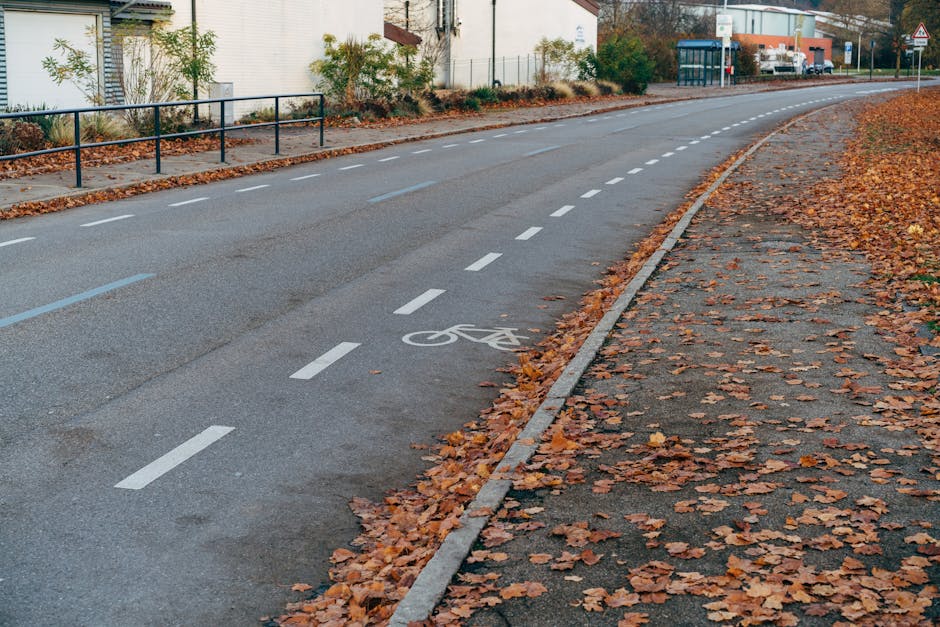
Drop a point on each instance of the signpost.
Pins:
(723, 26)
(921, 38)
(848, 53)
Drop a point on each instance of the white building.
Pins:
(464, 30)
(265, 48)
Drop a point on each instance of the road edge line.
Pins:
(431, 584)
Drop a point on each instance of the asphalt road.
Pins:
(194, 383)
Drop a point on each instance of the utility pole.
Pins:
(493, 56)
(192, 16)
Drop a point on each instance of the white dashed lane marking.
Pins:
(351, 167)
(107, 220)
(16, 241)
(591, 194)
(483, 261)
(324, 361)
(418, 303)
(528, 233)
(562, 211)
(250, 189)
(190, 201)
(309, 176)
(153, 471)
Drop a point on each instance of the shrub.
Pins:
(621, 59)
(62, 131)
(20, 136)
(99, 126)
(486, 95)
(559, 59)
(44, 121)
(585, 88)
(264, 114)
(472, 103)
(608, 88)
(561, 91)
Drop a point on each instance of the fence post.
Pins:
(322, 97)
(277, 126)
(78, 151)
(470, 86)
(156, 129)
(222, 130)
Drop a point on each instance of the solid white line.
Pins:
(16, 241)
(189, 202)
(306, 176)
(477, 141)
(124, 217)
(562, 211)
(666, 155)
(250, 189)
(652, 162)
(352, 167)
(591, 194)
(528, 233)
(421, 152)
(418, 303)
(635, 171)
(483, 261)
(324, 361)
(614, 180)
(174, 458)
(388, 159)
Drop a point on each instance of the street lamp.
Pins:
(493, 51)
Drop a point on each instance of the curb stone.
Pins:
(431, 583)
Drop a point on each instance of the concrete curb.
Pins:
(431, 584)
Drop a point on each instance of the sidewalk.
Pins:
(44, 192)
(744, 448)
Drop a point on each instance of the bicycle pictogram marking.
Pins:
(500, 338)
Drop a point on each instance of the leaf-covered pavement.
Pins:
(758, 441)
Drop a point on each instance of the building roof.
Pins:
(141, 9)
(768, 9)
(592, 6)
(401, 36)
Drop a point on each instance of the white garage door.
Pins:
(29, 37)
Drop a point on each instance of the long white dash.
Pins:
(483, 261)
(476, 141)
(694, 142)
(562, 211)
(106, 220)
(305, 177)
(16, 241)
(666, 155)
(450, 145)
(681, 148)
(149, 473)
(250, 189)
(635, 171)
(541, 150)
(652, 162)
(591, 194)
(190, 201)
(351, 167)
(401, 192)
(389, 159)
(418, 303)
(528, 233)
(614, 180)
(421, 152)
(325, 360)
(500, 135)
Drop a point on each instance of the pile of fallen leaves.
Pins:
(108, 155)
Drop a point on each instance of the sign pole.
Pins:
(920, 56)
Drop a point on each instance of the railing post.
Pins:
(222, 130)
(277, 126)
(156, 132)
(321, 118)
(78, 150)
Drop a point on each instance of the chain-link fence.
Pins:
(472, 73)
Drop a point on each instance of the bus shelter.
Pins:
(700, 61)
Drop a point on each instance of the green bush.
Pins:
(45, 122)
(486, 95)
(622, 60)
(472, 103)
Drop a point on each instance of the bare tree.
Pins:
(421, 18)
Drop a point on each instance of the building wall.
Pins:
(23, 81)
(267, 47)
(520, 25)
(764, 21)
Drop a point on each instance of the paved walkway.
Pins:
(299, 144)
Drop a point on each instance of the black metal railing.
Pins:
(159, 136)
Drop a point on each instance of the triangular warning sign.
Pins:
(921, 32)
